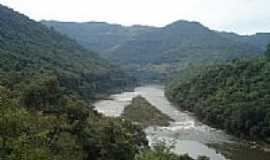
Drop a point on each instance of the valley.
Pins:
(102, 91)
(157, 53)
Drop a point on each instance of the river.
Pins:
(186, 133)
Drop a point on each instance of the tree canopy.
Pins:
(233, 96)
(46, 81)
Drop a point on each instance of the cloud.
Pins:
(242, 16)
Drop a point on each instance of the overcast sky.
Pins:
(241, 16)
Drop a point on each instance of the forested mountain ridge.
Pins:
(155, 53)
(44, 79)
(176, 43)
(30, 48)
(232, 96)
(99, 36)
(259, 40)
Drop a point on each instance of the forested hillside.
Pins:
(233, 96)
(44, 79)
(30, 52)
(99, 36)
(259, 40)
(153, 53)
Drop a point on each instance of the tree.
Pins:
(233, 96)
(267, 52)
(160, 152)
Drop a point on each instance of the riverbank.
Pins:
(253, 144)
(107, 95)
(188, 134)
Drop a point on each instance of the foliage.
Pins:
(70, 130)
(113, 139)
(30, 50)
(162, 152)
(233, 96)
(25, 135)
(144, 113)
(153, 54)
(44, 81)
(267, 52)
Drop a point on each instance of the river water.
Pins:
(186, 133)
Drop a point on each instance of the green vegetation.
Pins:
(31, 52)
(70, 130)
(267, 53)
(45, 80)
(163, 152)
(144, 113)
(152, 53)
(99, 36)
(233, 96)
(259, 40)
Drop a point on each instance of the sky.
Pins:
(240, 16)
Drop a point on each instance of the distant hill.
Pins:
(29, 49)
(99, 36)
(259, 40)
(154, 53)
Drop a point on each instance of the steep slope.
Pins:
(232, 96)
(44, 78)
(30, 48)
(155, 53)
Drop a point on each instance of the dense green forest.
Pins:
(155, 53)
(144, 113)
(234, 96)
(45, 80)
(62, 127)
(30, 52)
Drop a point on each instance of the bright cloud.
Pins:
(242, 16)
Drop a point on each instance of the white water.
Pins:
(189, 135)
